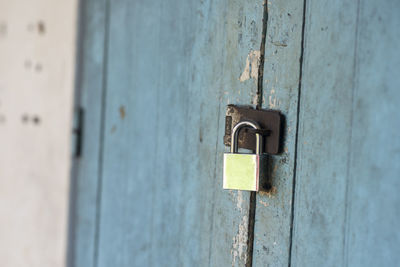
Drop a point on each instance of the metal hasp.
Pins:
(270, 122)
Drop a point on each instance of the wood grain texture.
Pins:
(86, 168)
(324, 133)
(172, 68)
(346, 204)
(373, 215)
(280, 85)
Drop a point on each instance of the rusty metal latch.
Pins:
(270, 122)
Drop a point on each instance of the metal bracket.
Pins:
(77, 132)
(269, 120)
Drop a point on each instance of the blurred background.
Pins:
(112, 124)
(37, 65)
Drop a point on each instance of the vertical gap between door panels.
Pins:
(348, 191)
(297, 134)
(252, 204)
(102, 132)
(72, 210)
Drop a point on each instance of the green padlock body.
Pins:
(244, 171)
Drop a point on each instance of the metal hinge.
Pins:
(77, 132)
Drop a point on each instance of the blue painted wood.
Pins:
(172, 67)
(346, 201)
(324, 133)
(85, 173)
(280, 85)
(372, 238)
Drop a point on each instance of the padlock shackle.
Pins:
(235, 135)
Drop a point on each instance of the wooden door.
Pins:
(348, 159)
(155, 79)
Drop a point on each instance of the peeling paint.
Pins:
(239, 203)
(255, 99)
(272, 101)
(239, 241)
(239, 246)
(251, 69)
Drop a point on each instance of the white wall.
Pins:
(37, 50)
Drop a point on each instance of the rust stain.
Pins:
(271, 193)
(122, 112)
(279, 44)
(274, 169)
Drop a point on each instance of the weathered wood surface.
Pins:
(171, 69)
(346, 201)
(280, 86)
(154, 195)
(37, 53)
(86, 168)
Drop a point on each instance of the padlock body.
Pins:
(243, 171)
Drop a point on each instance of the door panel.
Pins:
(373, 201)
(280, 86)
(324, 133)
(346, 207)
(86, 167)
(171, 69)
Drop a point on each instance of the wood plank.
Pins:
(324, 133)
(172, 68)
(280, 85)
(347, 167)
(373, 214)
(86, 168)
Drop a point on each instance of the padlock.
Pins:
(244, 171)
